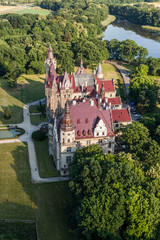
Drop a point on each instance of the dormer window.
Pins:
(86, 120)
(78, 121)
(78, 133)
(84, 133)
(89, 132)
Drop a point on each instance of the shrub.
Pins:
(7, 113)
(38, 135)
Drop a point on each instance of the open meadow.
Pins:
(29, 88)
(20, 199)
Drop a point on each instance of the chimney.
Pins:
(92, 103)
(97, 87)
(74, 102)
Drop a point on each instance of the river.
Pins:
(122, 30)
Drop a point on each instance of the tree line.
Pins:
(116, 197)
(138, 15)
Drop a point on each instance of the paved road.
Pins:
(124, 73)
(27, 137)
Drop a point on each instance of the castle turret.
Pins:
(67, 128)
(50, 59)
(102, 91)
(99, 71)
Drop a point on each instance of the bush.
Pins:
(7, 113)
(38, 135)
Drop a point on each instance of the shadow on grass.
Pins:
(28, 90)
(47, 201)
(13, 228)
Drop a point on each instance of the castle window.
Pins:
(64, 96)
(78, 133)
(102, 133)
(63, 140)
(68, 159)
(88, 142)
(78, 121)
(97, 134)
(68, 134)
(100, 141)
(110, 95)
(109, 145)
(84, 133)
(68, 140)
(89, 132)
(68, 149)
(86, 120)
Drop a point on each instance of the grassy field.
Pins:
(30, 88)
(20, 199)
(108, 20)
(38, 11)
(37, 119)
(45, 162)
(17, 231)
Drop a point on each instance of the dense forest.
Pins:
(72, 31)
(139, 15)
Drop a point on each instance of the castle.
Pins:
(83, 109)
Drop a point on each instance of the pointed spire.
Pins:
(102, 91)
(52, 71)
(67, 123)
(65, 76)
(99, 71)
(50, 55)
(81, 65)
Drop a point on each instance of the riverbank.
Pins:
(105, 23)
(151, 29)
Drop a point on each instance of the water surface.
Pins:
(122, 30)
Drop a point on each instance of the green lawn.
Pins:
(30, 88)
(37, 119)
(35, 11)
(45, 162)
(17, 231)
(20, 199)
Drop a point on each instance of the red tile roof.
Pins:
(120, 115)
(82, 111)
(114, 101)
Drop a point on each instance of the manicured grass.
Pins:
(37, 119)
(108, 20)
(30, 88)
(20, 199)
(17, 230)
(35, 108)
(129, 67)
(45, 162)
(34, 11)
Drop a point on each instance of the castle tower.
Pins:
(67, 128)
(99, 71)
(81, 65)
(102, 91)
(50, 59)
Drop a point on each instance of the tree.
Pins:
(111, 197)
(7, 113)
(38, 135)
(133, 134)
(142, 70)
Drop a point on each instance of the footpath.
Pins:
(27, 137)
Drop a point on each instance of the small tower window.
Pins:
(86, 120)
(78, 121)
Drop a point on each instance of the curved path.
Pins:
(27, 137)
(124, 74)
